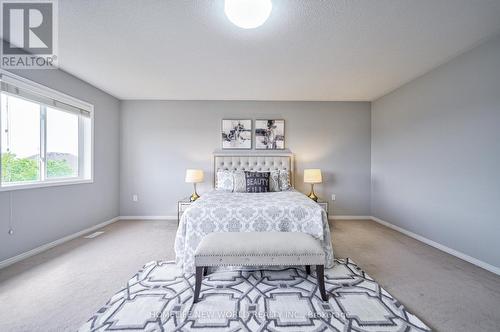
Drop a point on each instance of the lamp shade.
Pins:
(312, 175)
(194, 175)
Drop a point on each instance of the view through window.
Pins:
(20, 140)
(62, 144)
(41, 143)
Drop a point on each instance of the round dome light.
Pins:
(248, 14)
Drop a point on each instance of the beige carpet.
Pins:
(61, 288)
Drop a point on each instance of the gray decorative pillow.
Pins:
(240, 185)
(285, 180)
(274, 184)
(225, 181)
(257, 182)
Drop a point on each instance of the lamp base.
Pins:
(194, 197)
(312, 195)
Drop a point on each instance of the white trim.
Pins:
(47, 246)
(339, 217)
(453, 252)
(335, 217)
(147, 217)
(48, 183)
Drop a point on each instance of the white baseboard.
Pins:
(147, 217)
(339, 217)
(335, 217)
(37, 250)
(441, 247)
(47, 246)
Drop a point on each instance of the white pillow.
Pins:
(225, 181)
(240, 185)
(274, 184)
(284, 180)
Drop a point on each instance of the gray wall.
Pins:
(160, 139)
(436, 154)
(43, 215)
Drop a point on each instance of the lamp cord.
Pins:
(11, 231)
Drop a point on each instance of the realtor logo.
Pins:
(29, 34)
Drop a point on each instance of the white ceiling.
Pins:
(307, 50)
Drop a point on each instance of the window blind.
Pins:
(19, 91)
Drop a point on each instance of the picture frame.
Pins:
(269, 134)
(236, 134)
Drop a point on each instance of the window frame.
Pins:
(50, 93)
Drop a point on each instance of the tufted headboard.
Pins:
(254, 161)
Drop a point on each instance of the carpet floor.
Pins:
(58, 290)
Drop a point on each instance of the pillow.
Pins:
(225, 181)
(274, 184)
(240, 185)
(284, 180)
(257, 182)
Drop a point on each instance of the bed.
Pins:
(221, 211)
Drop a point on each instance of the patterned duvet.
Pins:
(219, 211)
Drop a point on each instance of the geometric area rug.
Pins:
(159, 298)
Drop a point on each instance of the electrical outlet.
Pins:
(135, 197)
(333, 197)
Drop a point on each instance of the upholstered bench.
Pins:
(257, 249)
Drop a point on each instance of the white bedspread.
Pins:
(219, 211)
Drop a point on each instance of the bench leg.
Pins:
(205, 271)
(308, 269)
(320, 274)
(197, 282)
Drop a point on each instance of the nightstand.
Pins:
(182, 205)
(324, 206)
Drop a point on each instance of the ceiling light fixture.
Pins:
(248, 14)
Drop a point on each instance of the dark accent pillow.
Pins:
(257, 182)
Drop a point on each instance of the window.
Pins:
(46, 136)
(62, 144)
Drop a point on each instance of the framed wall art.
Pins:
(236, 134)
(269, 134)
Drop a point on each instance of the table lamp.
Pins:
(194, 176)
(312, 176)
